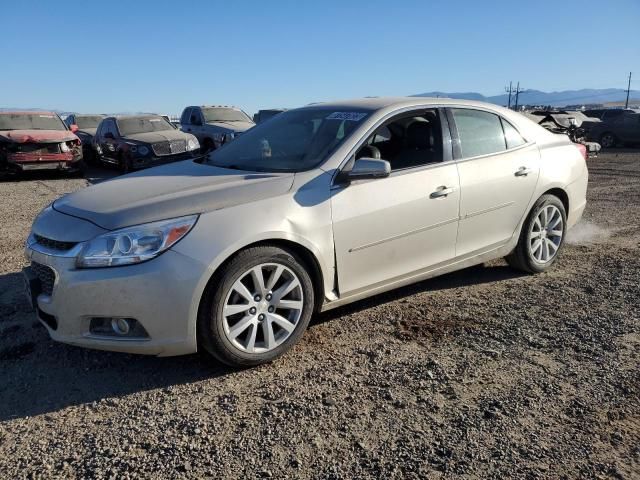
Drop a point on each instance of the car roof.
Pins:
(27, 112)
(377, 103)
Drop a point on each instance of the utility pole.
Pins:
(626, 104)
(505, 89)
(518, 92)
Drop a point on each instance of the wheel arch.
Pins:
(304, 253)
(561, 194)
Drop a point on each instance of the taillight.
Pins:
(583, 150)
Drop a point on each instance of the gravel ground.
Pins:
(484, 373)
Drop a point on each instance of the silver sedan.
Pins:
(318, 207)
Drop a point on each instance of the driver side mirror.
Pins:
(368, 168)
(74, 128)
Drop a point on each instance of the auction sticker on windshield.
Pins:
(349, 116)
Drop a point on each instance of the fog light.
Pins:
(120, 326)
(125, 328)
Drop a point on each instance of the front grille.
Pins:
(54, 244)
(46, 276)
(169, 148)
(36, 148)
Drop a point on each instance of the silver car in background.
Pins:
(321, 206)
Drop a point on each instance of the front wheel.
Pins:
(608, 140)
(256, 308)
(542, 236)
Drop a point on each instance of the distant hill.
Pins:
(537, 97)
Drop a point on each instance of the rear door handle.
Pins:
(523, 172)
(441, 192)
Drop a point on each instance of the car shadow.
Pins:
(475, 275)
(39, 376)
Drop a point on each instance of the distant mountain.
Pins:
(556, 99)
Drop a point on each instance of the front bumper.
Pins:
(158, 294)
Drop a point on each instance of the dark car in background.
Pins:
(619, 129)
(214, 125)
(86, 124)
(33, 140)
(266, 114)
(135, 142)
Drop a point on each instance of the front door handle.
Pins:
(523, 172)
(441, 192)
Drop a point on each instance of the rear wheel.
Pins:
(542, 236)
(256, 308)
(608, 140)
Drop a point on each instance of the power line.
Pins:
(505, 89)
(518, 92)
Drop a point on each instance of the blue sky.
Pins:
(115, 56)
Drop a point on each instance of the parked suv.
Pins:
(86, 129)
(214, 126)
(135, 142)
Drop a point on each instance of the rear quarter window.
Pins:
(511, 135)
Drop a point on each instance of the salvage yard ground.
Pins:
(484, 373)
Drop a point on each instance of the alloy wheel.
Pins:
(607, 140)
(546, 234)
(263, 308)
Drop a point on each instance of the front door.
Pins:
(388, 228)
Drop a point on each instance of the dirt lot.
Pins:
(484, 373)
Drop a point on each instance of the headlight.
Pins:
(143, 150)
(134, 244)
(64, 147)
(229, 136)
(193, 144)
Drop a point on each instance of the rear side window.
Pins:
(511, 135)
(480, 132)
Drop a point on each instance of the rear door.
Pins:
(498, 171)
(389, 228)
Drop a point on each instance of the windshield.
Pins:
(31, 121)
(88, 121)
(224, 115)
(293, 141)
(134, 125)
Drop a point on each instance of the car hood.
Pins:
(169, 191)
(233, 126)
(154, 137)
(37, 136)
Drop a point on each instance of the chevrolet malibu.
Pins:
(319, 207)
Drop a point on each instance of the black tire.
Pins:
(522, 258)
(608, 140)
(207, 146)
(211, 335)
(124, 164)
(80, 170)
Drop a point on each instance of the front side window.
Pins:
(480, 132)
(31, 121)
(216, 114)
(135, 125)
(408, 141)
(292, 141)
